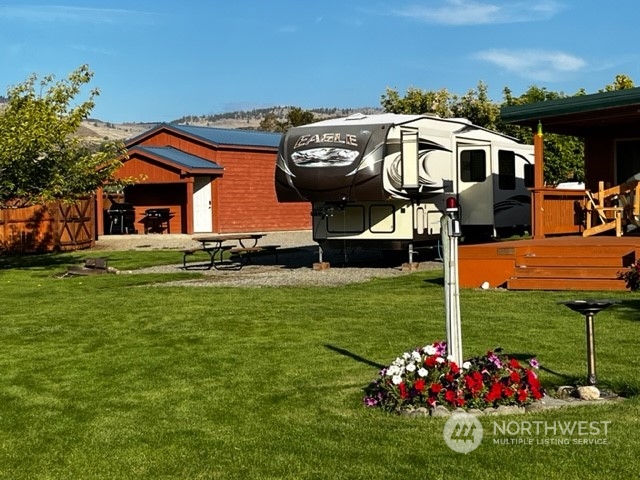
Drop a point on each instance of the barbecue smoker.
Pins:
(122, 217)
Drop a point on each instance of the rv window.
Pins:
(506, 170)
(528, 175)
(473, 166)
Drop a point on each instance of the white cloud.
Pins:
(536, 65)
(472, 12)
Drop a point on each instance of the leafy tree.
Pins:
(418, 102)
(270, 123)
(621, 82)
(41, 158)
(295, 117)
(563, 154)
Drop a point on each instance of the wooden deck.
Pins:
(557, 263)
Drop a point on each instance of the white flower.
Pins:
(399, 362)
(451, 358)
(406, 355)
(416, 356)
(466, 365)
(440, 360)
(393, 370)
(411, 367)
(423, 372)
(397, 379)
(429, 350)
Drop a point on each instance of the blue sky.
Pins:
(159, 60)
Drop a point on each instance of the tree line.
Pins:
(564, 155)
(42, 158)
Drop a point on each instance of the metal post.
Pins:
(451, 288)
(319, 253)
(591, 351)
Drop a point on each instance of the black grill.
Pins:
(122, 217)
(156, 220)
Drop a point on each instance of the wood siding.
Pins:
(54, 227)
(243, 197)
(560, 263)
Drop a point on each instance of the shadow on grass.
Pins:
(40, 260)
(354, 356)
(627, 310)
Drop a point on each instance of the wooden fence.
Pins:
(57, 226)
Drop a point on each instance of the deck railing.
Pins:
(556, 211)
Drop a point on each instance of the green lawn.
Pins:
(113, 377)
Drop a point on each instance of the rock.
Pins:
(566, 391)
(440, 411)
(509, 410)
(490, 411)
(588, 393)
(475, 411)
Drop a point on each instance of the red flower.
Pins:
(435, 388)
(514, 363)
(403, 390)
(508, 392)
(419, 385)
(515, 377)
(522, 395)
(536, 393)
(449, 378)
(450, 396)
(473, 382)
(454, 368)
(494, 393)
(430, 361)
(532, 379)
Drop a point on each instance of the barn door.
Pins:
(202, 211)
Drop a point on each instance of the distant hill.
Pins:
(96, 130)
(250, 119)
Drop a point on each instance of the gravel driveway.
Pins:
(294, 267)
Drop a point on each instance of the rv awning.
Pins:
(580, 115)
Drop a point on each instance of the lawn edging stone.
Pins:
(545, 403)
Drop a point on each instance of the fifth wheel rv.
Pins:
(382, 181)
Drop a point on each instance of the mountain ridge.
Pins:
(100, 130)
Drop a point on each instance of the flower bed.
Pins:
(425, 377)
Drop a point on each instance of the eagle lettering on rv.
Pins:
(305, 140)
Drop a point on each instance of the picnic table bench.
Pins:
(213, 251)
(215, 246)
(245, 253)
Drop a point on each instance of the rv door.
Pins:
(474, 185)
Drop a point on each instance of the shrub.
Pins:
(632, 276)
(425, 377)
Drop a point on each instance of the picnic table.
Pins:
(216, 245)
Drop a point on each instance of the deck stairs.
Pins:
(576, 267)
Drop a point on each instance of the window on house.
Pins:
(627, 159)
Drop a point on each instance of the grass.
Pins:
(114, 377)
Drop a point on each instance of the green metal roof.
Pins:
(578, 114)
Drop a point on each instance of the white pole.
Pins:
(449, 236)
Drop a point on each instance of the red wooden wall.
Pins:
(243, 196)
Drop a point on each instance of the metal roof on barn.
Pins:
(218, 136)
(177, 157)
(579, 115)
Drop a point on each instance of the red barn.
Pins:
(205, 180)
